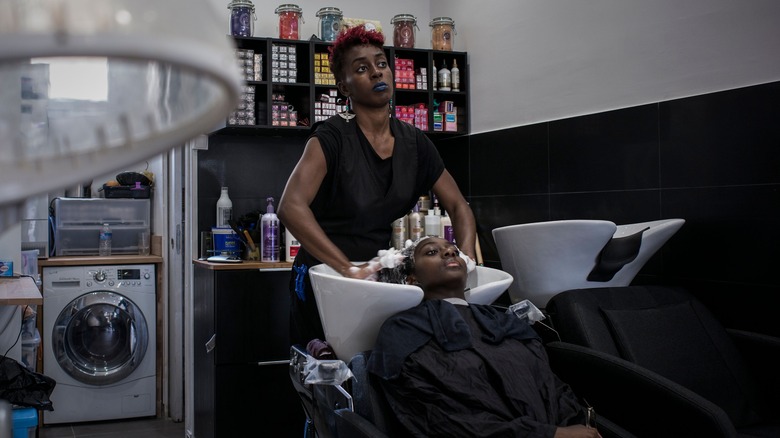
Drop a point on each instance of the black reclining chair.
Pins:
(369, 414)
(658, 362)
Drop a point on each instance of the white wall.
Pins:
(538, 60)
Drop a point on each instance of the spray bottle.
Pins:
(224, 209)
(269, 251)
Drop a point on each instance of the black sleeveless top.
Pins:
(360, 196)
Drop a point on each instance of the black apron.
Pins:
(354, 207)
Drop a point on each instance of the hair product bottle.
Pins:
(291, 246)
(424, 202)
(455, 74)
(269, 251)
(400, 233)
(432, 224)
(434, 78)
(444, 77)
(416, 223)
(224, 209)
(446, 228)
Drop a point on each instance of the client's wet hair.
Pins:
(399, 273)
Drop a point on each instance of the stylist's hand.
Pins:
(577, 431)
(361, 272)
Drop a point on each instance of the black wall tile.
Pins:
(253, 168)
(498, 211)
(621, 207)
(726, 138)
(455, 153)
(731, 233)
(510, 162)
(616, 150)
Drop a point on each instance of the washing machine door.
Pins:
(100, 337)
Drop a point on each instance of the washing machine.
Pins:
(99, 344)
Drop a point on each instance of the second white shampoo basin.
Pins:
(352, 311)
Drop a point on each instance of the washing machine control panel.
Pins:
(120, 276)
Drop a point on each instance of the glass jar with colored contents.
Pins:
(404, 26)
(290, 18)
(242, 18)
(330, 23)
(442, 33)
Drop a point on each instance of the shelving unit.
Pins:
(301, 93)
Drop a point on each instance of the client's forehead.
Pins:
(430, 241)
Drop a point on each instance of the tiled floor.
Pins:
(133, 428)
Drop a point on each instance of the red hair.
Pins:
(347, 39)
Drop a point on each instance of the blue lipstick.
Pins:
(380, 86)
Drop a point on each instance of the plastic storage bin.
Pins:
(25, 422)
(30, 350)
(78, 222)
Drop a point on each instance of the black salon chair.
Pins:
(368, 414)
(656, 360)
(372, 406)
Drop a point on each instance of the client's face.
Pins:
(439, 269)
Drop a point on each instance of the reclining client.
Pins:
(450, 369)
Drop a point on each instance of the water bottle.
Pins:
(104, 247)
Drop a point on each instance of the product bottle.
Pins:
(444, 77)
(434, 78)
(269, 252)
(291, 245)
(104, 247)
(224, 209)
(424, 202)
(446, 228)
(400, 233)
(455, 73)
(416, 224)
(432, 224)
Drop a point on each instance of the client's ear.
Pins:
(411, 279)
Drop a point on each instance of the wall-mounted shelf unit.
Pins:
(284, 82)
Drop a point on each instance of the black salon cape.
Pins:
(469, 371)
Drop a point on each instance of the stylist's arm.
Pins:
(463, 222)
(297, 217)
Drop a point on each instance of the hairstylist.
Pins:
(360, 170)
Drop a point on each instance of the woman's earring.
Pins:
(390, 109)
(347, 114)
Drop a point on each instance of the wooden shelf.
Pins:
(19, 291)
(244, 265)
